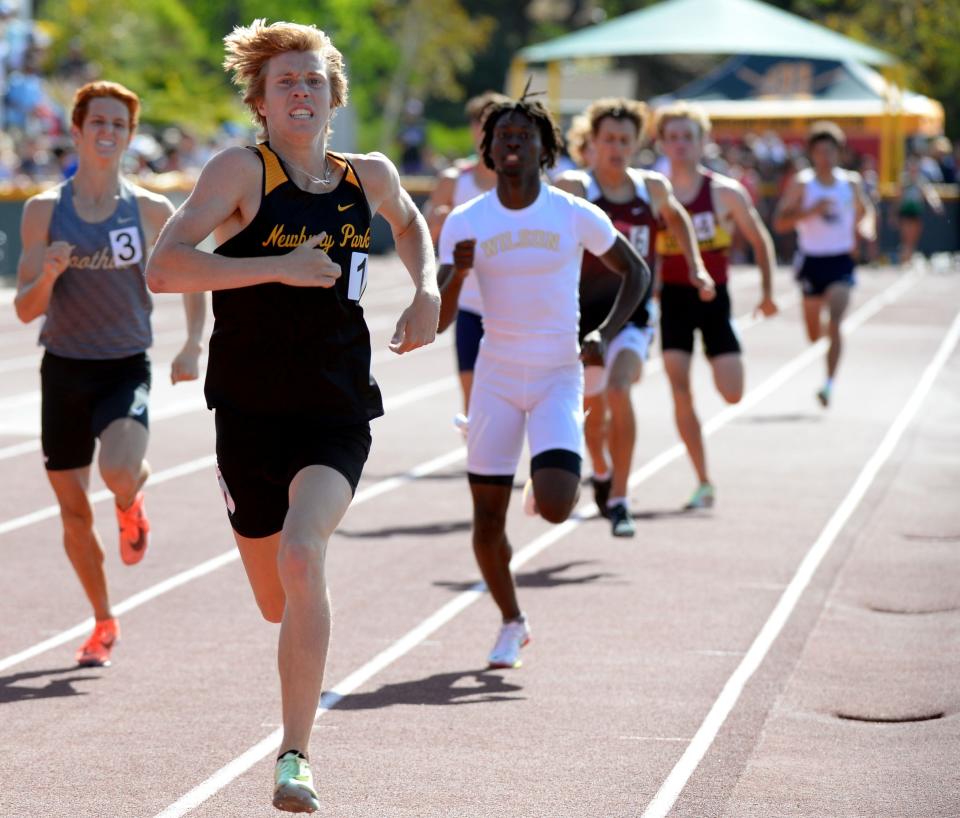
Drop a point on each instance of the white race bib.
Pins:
(357, 282)
(125, 246)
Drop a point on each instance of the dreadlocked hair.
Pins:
(550, 136)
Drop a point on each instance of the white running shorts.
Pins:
(636, 339)
(508, 398)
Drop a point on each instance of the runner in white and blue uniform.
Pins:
(825, 204)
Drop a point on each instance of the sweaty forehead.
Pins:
(297, 62)
(107, 107)
(616, 127)
(681, 127)
(517, 121)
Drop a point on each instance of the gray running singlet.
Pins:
(100, 307)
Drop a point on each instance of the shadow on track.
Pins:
(430, 530)
(546, 577)
(10, 691)
(464, 687)
(787, 417)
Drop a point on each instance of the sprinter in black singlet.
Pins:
(289, 372)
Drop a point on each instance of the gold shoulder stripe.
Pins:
(350, 176)
(274, 175)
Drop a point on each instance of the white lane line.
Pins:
(173, 473)
(235, 768)
(178, 408)
(183, 407)
(192, 466)
(32, 361)
(671, 788)
(212, 564)
(32, 398)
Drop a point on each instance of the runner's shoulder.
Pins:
(653, 177)
(727, 188)
(233, 164)
(573, 181)
(149, 198)
(38, 209)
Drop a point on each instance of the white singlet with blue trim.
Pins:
(831, 234)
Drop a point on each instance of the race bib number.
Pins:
(640, 239)
(125, 246)
(357, 282)
(705, 226)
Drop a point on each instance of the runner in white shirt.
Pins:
(825, 204)
(457, 185)
(524, 242)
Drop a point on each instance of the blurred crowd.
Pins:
(36, 147)
(35, 142)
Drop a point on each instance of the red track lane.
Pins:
(633, 640)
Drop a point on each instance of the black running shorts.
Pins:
(468, 337)
(257, 459)
(682, 312)
(816, 273)
(80, 398)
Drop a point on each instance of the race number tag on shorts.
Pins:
(640, 239)
(357, 282)
(126, 247)
(705, 226)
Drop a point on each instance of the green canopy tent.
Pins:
(712, 27)
(706, 27)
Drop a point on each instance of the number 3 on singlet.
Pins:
(357, 282)
(126, 247)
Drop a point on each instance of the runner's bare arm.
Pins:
(571, 182)
(624, 260)
(790, 208)
(227, 195)
(865, 212)
(155, 212)
(417, 325)
(40, 264)
(451, 278)
(737, 203)
(440, 202)
(678, 222)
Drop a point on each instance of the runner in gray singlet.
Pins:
(85, 244)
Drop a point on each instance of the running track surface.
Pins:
(794, 652)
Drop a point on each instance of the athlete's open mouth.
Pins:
(301, 113)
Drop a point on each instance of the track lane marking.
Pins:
(239, 765)
(219, 561)
(675, 782)
(184, 407)
(198, 464)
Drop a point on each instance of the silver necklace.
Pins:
(326, 179)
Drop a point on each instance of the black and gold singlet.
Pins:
(286, 351)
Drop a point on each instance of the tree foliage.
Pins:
(155, 48)
(441, 51)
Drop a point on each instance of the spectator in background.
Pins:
(25, 94)
(413, 137)
(906, 211)
(942, 152)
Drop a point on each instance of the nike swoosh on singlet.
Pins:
(341, 208)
